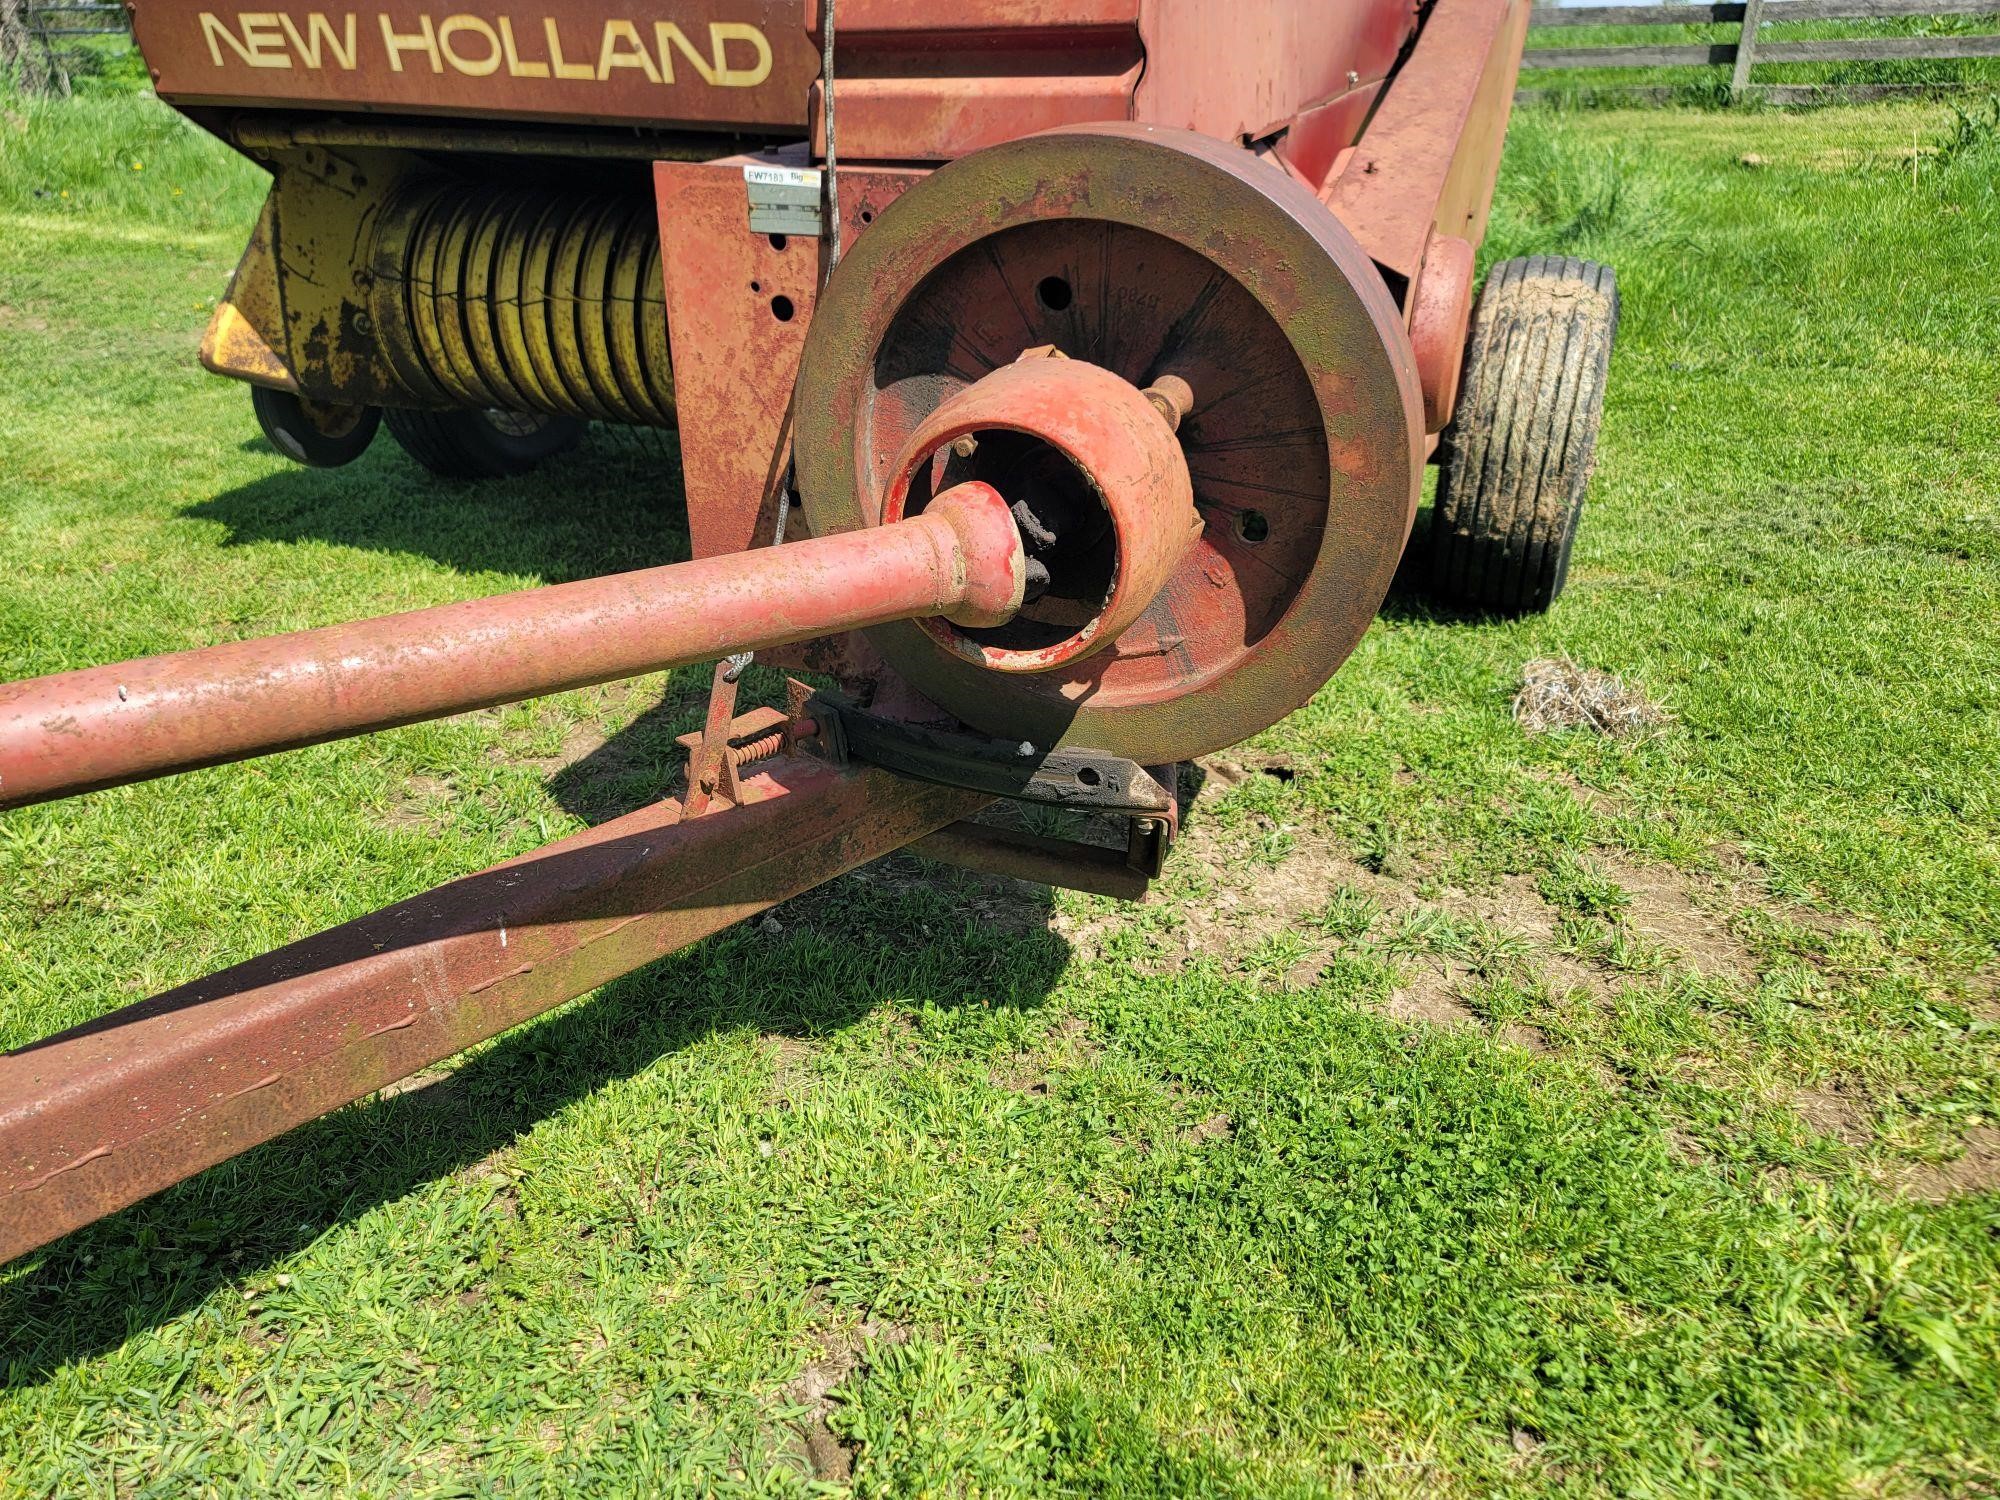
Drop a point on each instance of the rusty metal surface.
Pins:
(1319, 134)
(1127, 246)
(1138, 508)
(103, 726)
(924, 81)
(919, 80)
(721, 62)
(708, 759)
(1241, 70)
(734, 355)
(277, 132)
(720, 752)
(1440, 313)
(1020, 855)
(103, 1115)
(926, 118)
(1428, 158)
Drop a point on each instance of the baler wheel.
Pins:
(468, 444)
(314, 433)
(1516, 459)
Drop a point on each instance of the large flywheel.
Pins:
(1161, 256)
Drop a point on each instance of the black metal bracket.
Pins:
(1083, 780)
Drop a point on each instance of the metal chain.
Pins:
(829, 195)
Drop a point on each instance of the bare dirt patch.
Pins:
(416, 1082)
(1518, 1034)
(1515, 908)
(1833, 1110)
(1680, 911)
(843, 1349)
(1217, 1127)
(1068, 1045)
(420, 806)
(1982, 996)
(791, 1061)
(1254, 897)
(1432, 998)
(1977, 1170)
(13, 317)
(1220, 772)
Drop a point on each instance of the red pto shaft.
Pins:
(104, 726)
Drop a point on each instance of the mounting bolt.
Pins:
(965, 446)
(1172, 398)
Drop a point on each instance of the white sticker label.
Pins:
(797, 177)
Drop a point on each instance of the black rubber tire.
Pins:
(320, 437)
(469, 444)
(1516, 459)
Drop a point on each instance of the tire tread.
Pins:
(1515, 461)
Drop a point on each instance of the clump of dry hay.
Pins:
(1558, 694)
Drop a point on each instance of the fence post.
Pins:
(26, 52)
(1746, 49)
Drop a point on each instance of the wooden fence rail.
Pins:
(1749, 48)
(81, 18)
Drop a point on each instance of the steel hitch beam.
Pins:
(960, 559)
(105, 1114)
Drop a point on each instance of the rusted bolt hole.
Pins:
(1053, 293)
(781, 309)
(868, 216)
(756, 286)
(778, 242)
(1088, 775)
(1251, 527)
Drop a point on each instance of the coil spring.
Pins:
(758, 749)
(539, 302)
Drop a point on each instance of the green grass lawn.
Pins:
(1470, 1112)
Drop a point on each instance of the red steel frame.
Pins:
(1399, 129)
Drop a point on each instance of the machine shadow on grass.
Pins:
(862, 939)
(613, 504)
